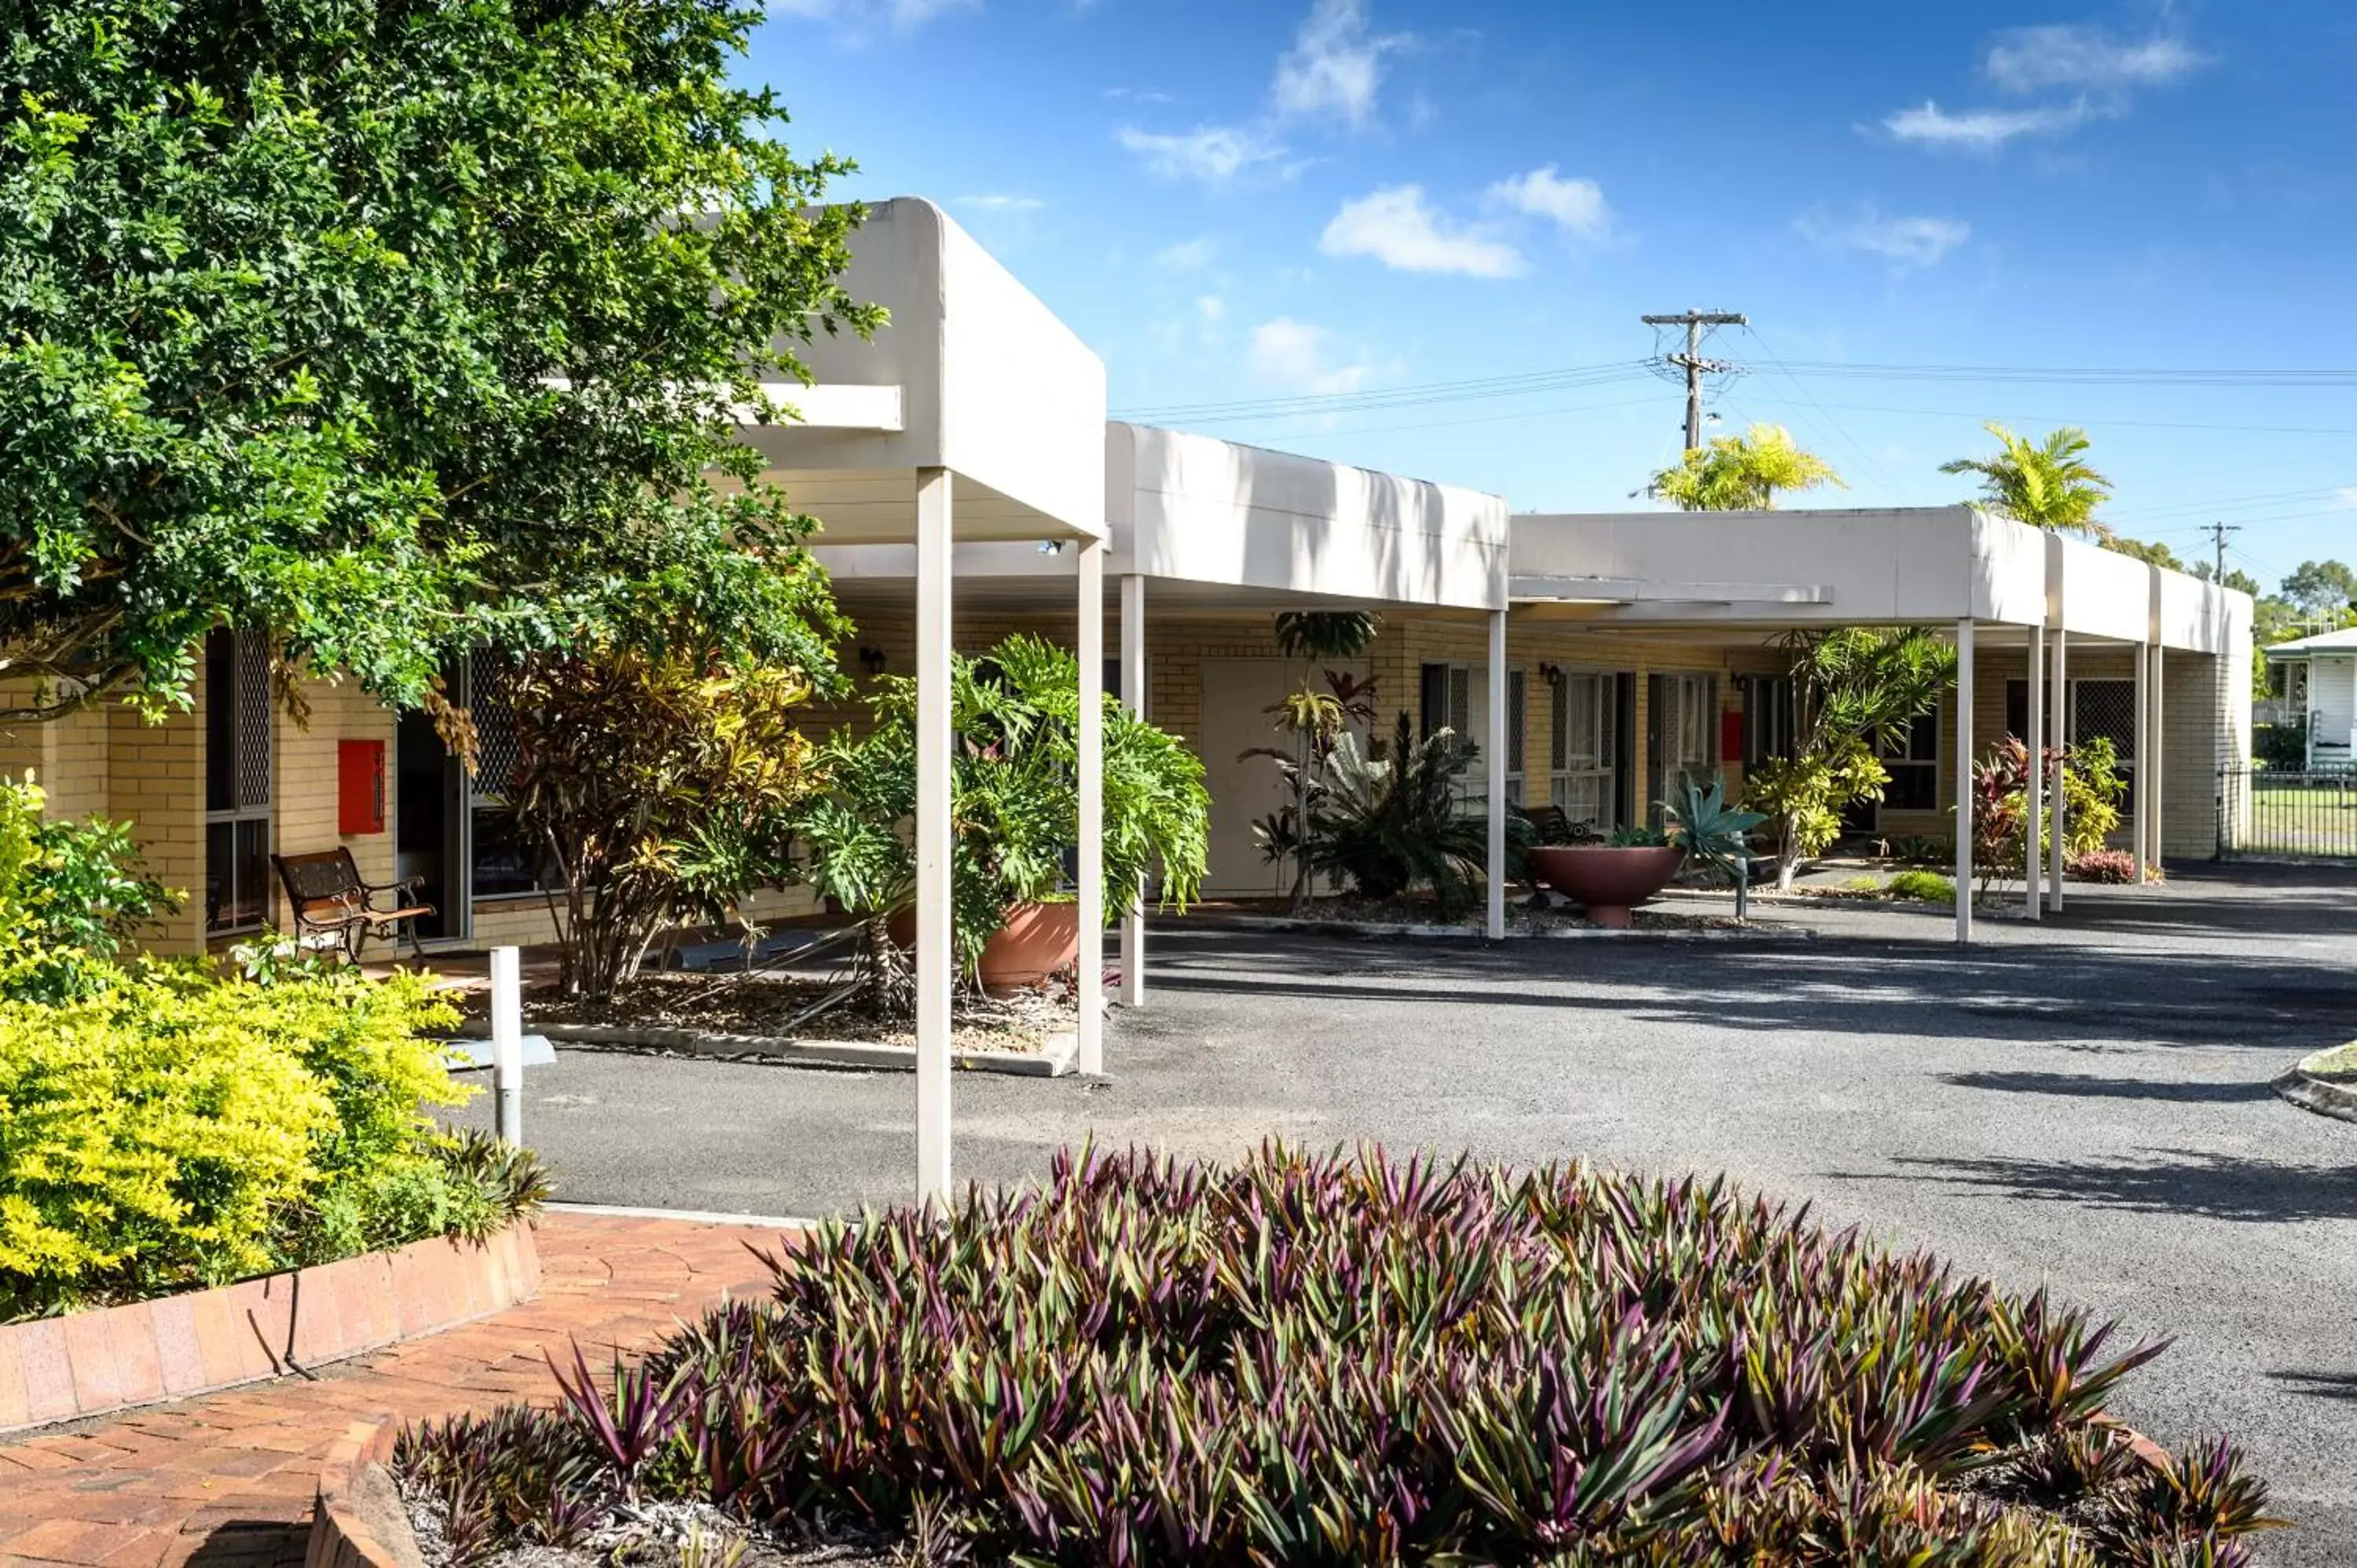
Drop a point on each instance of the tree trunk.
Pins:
(889, 984)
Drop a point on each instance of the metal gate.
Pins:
(2269, 812)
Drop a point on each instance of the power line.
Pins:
(1356, 401)
(2082, 419)
(1896, 488)
(2075, 375)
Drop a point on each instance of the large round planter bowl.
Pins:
(1604, 880)
(1037, 940)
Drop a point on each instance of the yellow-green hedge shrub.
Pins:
(161, 1134)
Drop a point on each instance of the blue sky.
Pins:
(1352, 200)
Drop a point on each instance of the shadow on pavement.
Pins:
(2176, 1182)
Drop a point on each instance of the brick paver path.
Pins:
(227, 1479)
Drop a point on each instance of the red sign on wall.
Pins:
(359, 787)
(1730, 736)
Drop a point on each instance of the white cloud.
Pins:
(1905, 243)
(2032, 59)
(1395, 226)
(1000, 203)
(2345, 497)
(1334, 67)
(1301, 357)
(1212, 153)
(1981, 130)
(903, 15)
(1211, 308)
(1186, 256)
(1575, 206)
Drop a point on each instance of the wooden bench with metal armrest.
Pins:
(327, 898)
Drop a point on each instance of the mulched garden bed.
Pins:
(652, 1535)
(769, 1005)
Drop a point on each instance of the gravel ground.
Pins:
(2083, 1102)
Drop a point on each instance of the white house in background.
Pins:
(2320, 685)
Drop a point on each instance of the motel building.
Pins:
(971, 485)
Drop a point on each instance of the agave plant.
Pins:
(1701, 822)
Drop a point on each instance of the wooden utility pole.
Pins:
(1692, 361)
(2218, 532)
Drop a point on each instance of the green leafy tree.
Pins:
(1014, 807)
(390, 328)
(2152, 552)
(2047, 484)
(1742, 473)
(661, 788)
(1857, 693)
(1311, 720)
(2235, 578)
(2321, 588)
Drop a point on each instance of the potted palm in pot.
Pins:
(1015, 809)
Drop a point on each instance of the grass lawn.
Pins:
(2340, 1061)
(2287, 819)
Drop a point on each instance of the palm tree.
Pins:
(1742, 473)
(2045, 484)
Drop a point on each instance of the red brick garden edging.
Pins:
(116, 1358)
(358, 1520)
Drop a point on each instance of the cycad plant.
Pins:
(1391, 817)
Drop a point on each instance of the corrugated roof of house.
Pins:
(2341, 641)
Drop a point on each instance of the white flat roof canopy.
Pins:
(1216, 527)
(1196, 509)
(972, 374)
(1767, 571)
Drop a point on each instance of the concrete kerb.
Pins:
(2330, 1094)
(1055, 1058)
(1373, 929)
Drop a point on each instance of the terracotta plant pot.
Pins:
(1603, 880)
(1037, 940)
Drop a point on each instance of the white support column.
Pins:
(1133, 697)
(2144, 759)
(1090, 741)
(1965, 779)
(2034, 812)
(2159, 694)
(1496, 924)
(936, 961)
(2058, 721)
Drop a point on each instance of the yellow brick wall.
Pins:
(156, 781)
(304, 792)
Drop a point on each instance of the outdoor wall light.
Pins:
(1551, 673)
(873, 660)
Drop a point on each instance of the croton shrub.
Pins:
(1350, 1360)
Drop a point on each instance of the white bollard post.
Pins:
(507, 1039)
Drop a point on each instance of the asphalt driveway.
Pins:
(2083, 1102)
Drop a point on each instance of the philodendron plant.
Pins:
(1701, 822)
